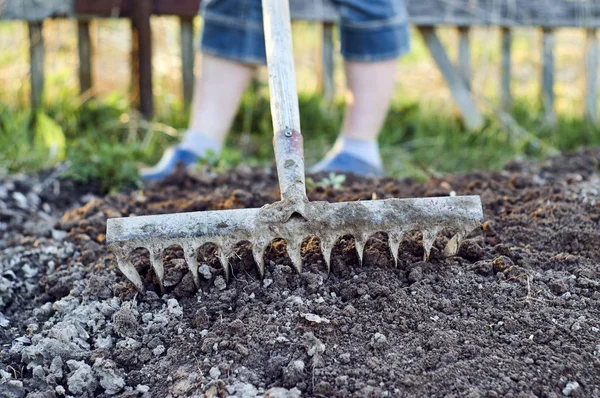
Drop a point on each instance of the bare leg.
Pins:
(370, 90)
(217, 95)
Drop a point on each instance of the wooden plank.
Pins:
(84, 49)
(471, 116)
(35, 10)
(464, 54)
(506, 13)
(327, 71)
(187, 59)
(548, 43)
(591, 63)
(506, 69)
(36, 60)
(182, 8)
(141, 59)
(105, 8)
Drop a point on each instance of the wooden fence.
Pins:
(426, 15)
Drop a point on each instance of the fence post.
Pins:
(328, 66)
(464, 54)
(141, 58)
(471, 116)
(187, 59)
(548, 42)
(36, 59)
(506, 69)
(84, 49)
(591, 81)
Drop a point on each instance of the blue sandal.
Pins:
(346, 163)
(168, 164)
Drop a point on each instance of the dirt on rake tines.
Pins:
(516, 313)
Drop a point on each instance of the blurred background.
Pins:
(99, 135)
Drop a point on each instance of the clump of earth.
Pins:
(515, 313)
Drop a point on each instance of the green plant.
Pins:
(111, 166)
(333, 180)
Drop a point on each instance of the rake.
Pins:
(294, 218)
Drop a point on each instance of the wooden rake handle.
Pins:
(287, 141)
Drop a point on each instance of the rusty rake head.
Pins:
(294, 218)
(326, 221)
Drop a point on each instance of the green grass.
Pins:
(104, 141)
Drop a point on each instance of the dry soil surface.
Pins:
(515, 314)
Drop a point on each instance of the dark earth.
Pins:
(515, 314)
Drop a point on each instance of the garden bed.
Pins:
(516, 313)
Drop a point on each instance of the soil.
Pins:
(515, 314)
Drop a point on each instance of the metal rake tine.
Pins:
(258, 252)
(394, 239)
(294, 250)
(429, 236)
(326, 248)
(360, 240)
(127, 268)
(223, 251)
(191, 259)
(157, 264)
(453, 245)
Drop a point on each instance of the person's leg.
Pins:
(232, 47)
(217, 95)
(374, 34)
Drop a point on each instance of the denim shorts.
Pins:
(370, 30)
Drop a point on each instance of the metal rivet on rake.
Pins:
(288, 133)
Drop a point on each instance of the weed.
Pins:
(335, 181)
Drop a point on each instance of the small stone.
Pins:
(147, 317)
(204, 271)
(313, 345)
(109, 376)
(12, 389)
(558, 286)
(38, 372)
(82, 379)
(345, 358)
(575, 327)
(570, 387)
(314, 318)
(20, 199)
(60, 390)
(103, 343)
(220, 283)
(142, 388)
(3, 321)
(174, 307)
(214, 372)
(379, 340)
(267, 283)
(32, 328)
(159, 350)
(279, 392)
